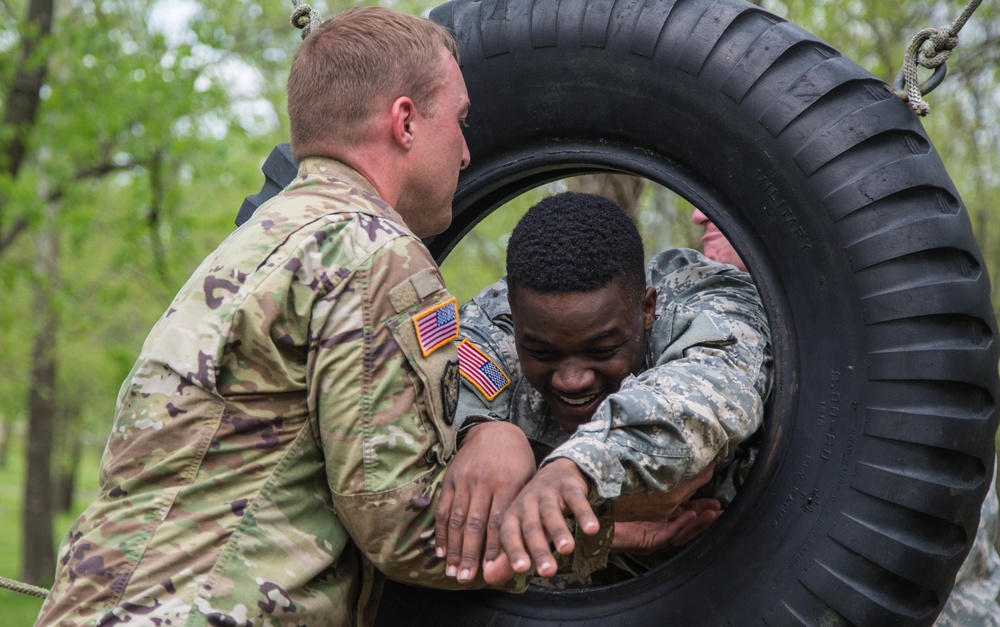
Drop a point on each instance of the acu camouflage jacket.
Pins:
(701, 391)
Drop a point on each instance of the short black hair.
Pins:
(573, 242)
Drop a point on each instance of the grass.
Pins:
(19, 610)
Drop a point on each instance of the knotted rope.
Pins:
(23, 588)
(929, 48)
(305, 17)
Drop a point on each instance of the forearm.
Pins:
(665, 426)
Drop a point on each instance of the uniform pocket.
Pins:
(426, 338)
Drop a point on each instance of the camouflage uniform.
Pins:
(284, 431)
(699, 395)
(973, 600)
(706, 371)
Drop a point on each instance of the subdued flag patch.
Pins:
(436, 326)
(480, 370)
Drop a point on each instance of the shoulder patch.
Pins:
(436, 326)
(481, 371)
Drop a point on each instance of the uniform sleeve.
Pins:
(384, 385)
(488, 359)
(703, 395)
(973, 600)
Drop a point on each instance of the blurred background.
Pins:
(131, 131)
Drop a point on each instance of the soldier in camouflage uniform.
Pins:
(973, 600)
(279, 442)
(644, 410)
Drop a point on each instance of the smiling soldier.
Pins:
(618, 382)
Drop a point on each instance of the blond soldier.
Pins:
(281, 438)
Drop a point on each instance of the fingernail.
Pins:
(488, 564)
(451, 571)
(520, 564)
(563, 543)
(466, 575)
(439, 552)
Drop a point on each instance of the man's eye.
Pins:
(540, 354)
(603, 352)
(463, 123)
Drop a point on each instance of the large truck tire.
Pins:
(878, 451)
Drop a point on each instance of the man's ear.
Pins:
(649, 308)
(403, 116)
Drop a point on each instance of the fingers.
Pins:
(696, 526)
(703, 505)
(493, 547)
(442, 515)
(579, 506)
(487, 472)
(537, 518)
(498, 571)
(512, 540)
(464, 548)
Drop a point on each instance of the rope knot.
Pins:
(305, 17)
(930, 48)
(936, 49)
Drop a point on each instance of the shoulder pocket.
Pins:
(425, 333)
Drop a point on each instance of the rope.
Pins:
(930, 48)
(307, 18)
(23, 588)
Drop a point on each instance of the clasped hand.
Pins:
(495, 508)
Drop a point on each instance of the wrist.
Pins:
(469, 424)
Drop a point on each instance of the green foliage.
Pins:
(964, 123)
(479, 259)
(145, 144)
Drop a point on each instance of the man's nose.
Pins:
(466, 156)
(699, 218)
(573, 377)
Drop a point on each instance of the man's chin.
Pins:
(441, 225)
(570, 417)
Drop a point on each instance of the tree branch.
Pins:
(7, 238)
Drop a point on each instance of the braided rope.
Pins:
(305, 17)
(930, 48)
(23, 588)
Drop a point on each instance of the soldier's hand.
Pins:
(494, 462)
(657, 506)
(683, 525)
(538, 517)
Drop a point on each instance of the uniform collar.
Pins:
(315, 171)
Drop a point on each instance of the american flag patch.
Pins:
(480, 370)
(436, 326)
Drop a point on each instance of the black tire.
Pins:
(866, 496)
(879, 450)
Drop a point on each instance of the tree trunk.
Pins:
(38, 554)
(66, 476)
(23, 98)
(4, 443)
(624, 189)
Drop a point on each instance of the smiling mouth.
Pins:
(577, 401)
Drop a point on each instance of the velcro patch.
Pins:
(481, 371)
(436, 326)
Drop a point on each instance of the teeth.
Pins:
(576, 401)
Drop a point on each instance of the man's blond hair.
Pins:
(356, 64)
